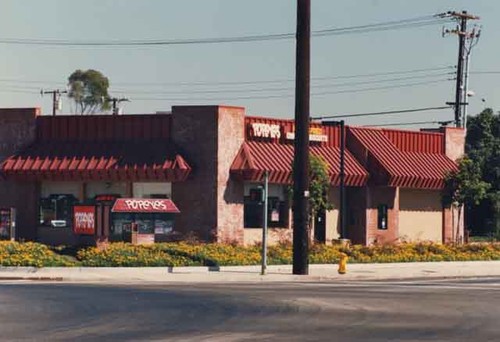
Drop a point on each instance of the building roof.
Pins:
(392, 161)
(254, 158)
(112, 160)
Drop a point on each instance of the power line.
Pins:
(242, 83)
(383, 26)
(260, 90)
(390, 112)
(442, 123)
(290, 95)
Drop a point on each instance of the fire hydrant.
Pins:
(343, 263)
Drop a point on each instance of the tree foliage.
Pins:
(319, 183)
(478, 180)
(465, 185)
(89, 91)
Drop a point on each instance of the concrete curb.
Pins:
(275, 273)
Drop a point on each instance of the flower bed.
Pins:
(186, 254)
(30, 254)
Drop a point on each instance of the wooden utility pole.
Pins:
(461, 32)
(56, 97)
(301, 156)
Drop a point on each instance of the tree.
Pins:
(464, 187)
(89, 91)
(319, 184)
(483, 149)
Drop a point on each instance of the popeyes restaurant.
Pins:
(199, 170)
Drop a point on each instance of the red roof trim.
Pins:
(408, 169)
(98, 161)
(254, 158)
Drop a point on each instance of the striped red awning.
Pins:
(254, 158)
(397, 168)
(129, 160)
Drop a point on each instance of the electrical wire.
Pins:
(290, 95)
(384, 26)
(260, 90)
(400, 111)
(240, 83)
(443, 123)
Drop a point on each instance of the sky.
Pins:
(256, 75)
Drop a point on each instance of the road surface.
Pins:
(451, 310)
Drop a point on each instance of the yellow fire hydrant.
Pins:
(343, 263)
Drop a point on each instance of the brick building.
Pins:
(207, 162)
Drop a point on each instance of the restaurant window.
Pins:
(56, 210)
(382, 216)
(277, 214)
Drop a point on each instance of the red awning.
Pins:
(393, 167)
(254, 158)
(144, 205)
(128, 160)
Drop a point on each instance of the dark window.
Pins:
(382, 216)
(57, 210)
(277, 215)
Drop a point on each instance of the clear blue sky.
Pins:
(135, 72)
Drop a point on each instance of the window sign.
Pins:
(315, 134)
(84, 219)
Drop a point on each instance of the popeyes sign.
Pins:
(274, 131)
(265, 130)
(84, 219)
(144, 205)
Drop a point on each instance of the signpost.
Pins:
(264, 228)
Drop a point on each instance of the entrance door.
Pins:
(320, 227)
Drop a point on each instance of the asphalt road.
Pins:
(456, 310)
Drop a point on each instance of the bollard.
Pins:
(343, 263)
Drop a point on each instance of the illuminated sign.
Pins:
(144, 205)
(84, 219)
(315, 134)
(264, 130)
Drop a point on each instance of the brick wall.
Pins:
(211, 204)
(454, 148)
(231, 134)
(375, 197)
(17, 130)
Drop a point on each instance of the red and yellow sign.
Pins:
(84, 219)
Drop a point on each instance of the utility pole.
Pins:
(115, 101)
(301, 155)
(461, 32)
(56, 98)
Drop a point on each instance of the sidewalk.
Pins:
(355, 272)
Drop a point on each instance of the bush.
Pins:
(30, 254)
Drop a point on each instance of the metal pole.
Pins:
(466, 87)
(264, 228)
(301, 156)
(342, 180)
